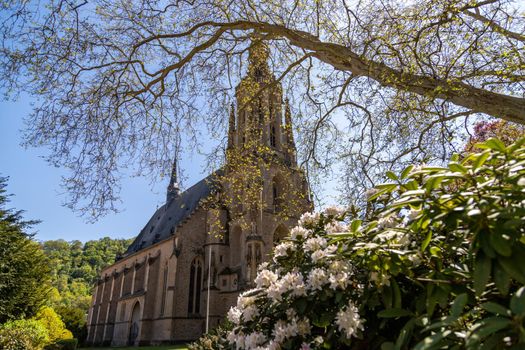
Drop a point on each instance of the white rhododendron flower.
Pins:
(284, 281)
(334, 210)
(338, 280)
(299, 232)
(314, 243)
(317, 278)
(308, 219)
(250, 313)
(265, 278)
(282, 249)
(234, 315)
(348, 320)
(253, 340)
(336, 227)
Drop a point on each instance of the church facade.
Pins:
(202, 247)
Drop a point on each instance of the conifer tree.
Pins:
(24, 272)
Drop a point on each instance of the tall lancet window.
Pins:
(273, 137)
(194, 295)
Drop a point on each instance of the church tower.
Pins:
(262, 123)
(266, 191)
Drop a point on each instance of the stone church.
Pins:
(201, 248)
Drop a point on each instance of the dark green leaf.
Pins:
(517, 302)
(481, 274)
(501, 279)
(431, 341)
(500, 244)
(495, 308)
(509, 265)
(458, 305)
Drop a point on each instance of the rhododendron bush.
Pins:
(438, 261)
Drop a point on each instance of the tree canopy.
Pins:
(24, 272)
(375, 84)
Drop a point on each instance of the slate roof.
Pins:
(164, 222)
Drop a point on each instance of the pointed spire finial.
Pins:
(173, 187)
(258, 58)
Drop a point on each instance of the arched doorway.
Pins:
(134, 325)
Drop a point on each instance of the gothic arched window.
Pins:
(194, 295)
(273, 137)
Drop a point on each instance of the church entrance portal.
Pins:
(134, 324)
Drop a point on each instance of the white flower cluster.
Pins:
(348, 320)
(286, 280)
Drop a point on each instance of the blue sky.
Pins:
(35, 186)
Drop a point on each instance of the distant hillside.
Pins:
(76, 265)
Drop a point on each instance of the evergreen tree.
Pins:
(24, 270)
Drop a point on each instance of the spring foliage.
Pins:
(439, 263)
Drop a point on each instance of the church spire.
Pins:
(231, 127)
(173, 187)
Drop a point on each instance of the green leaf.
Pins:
(323, 321)
(517, 302)
(492, 143)
(355, 225)
(495, 308)
(435, 251)
(491, 325)
(481, 274)
(406, 171)
(405, 333)
(434, 181)
(425, 243)
(509, 265)
(391, 175)
(458, 305)
(396, 292)
(500, 244)
(393, 313)
(458, 168)
(480, 160)
(388, 346)
(516, 145)
(501, 279)
(432, 341)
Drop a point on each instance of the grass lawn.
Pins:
(163, 347)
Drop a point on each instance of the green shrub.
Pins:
(23, 335)
(438, 263)
(55, 326)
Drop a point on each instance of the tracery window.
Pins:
(194, 295)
